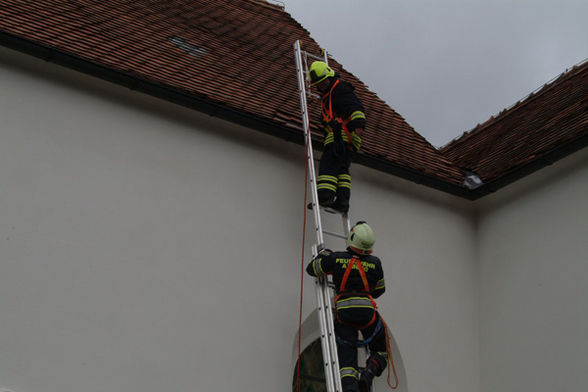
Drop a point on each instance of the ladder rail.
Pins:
(325, 311)
(329, 334)
(330, 375)
(308, 141)
(323, 286)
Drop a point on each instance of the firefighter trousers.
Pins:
(334, 180)
(347, 337)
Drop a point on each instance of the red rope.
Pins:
(390, 358)
(302, 274)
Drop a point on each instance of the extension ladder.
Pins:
(322, 285)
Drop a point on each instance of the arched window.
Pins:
(312, 372)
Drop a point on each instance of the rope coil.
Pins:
(390, 358)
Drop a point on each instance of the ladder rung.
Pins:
(313, 56)
(335, 234)
(313, 95)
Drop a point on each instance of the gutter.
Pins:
(547, 159)
(270, 127)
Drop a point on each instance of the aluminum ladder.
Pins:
(322, 285)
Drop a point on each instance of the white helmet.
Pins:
(361, 238)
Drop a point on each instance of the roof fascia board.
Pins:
(412, 175)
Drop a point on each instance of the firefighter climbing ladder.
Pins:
(323, 291)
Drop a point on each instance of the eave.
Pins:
(276, 129)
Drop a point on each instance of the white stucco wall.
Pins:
(533, 252)
(427, 244)
(146, 247)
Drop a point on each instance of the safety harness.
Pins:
(365, 342)
(367, 292)
(329, 117)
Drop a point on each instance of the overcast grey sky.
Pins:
(446, 65)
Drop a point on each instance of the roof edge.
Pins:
(547, 159)
(213, 109)
(276, 129)
(518, 105)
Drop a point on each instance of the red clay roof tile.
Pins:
(236, 53)
(545, 120)
(240, 55)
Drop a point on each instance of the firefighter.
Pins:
(344, 120)
(358, 278)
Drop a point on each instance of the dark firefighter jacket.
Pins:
(335, 264)
(341, 104)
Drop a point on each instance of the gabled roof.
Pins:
(230, 58)
(234, 60)
(533, 130)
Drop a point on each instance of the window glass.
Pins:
(312, 373)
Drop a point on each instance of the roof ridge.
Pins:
(521, 103)
(278, 5)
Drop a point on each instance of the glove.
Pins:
(335, 125)
(324, 252)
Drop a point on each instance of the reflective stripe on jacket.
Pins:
(341, 105)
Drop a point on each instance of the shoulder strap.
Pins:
(354, 261)
(328, 111)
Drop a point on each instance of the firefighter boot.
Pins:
(326, 197)
(365, 382)
(349, 386)
(343, 194)
(371, 371)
